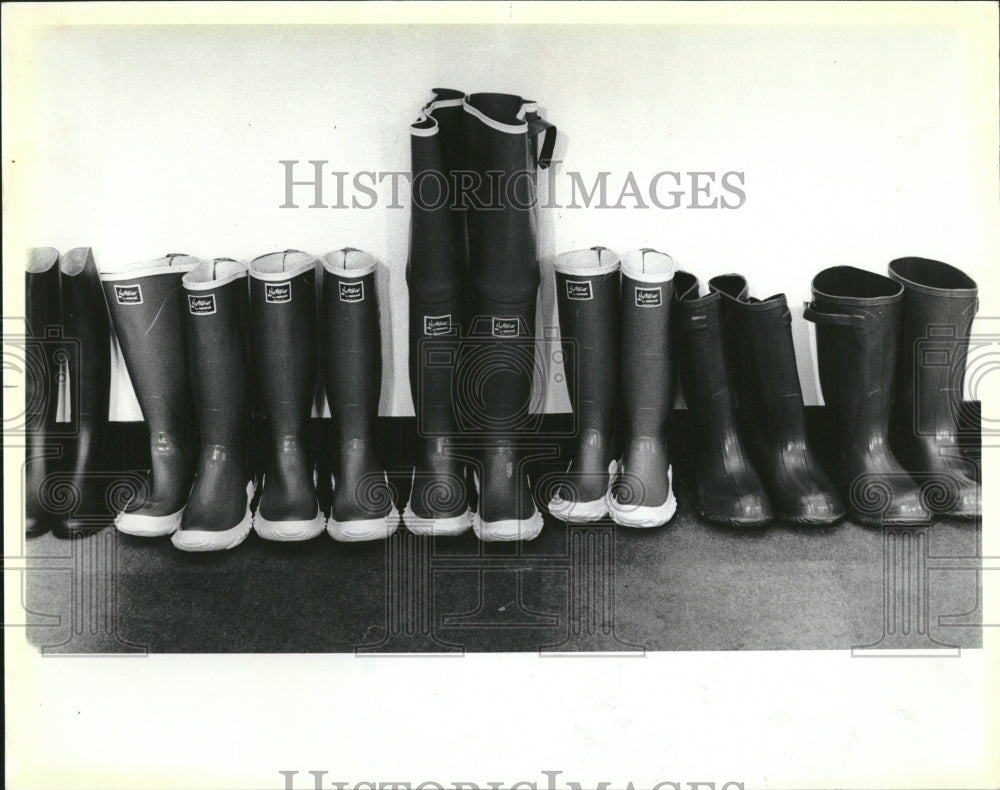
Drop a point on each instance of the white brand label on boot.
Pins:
(277, 293)
(437, 324)
(647, 297)
(201, 305)
(352, 292)
(504, 327)
(578, 290)
(128, 294)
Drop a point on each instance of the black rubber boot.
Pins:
(218, 514)
(588, 283)
(857, 315)
(939, 303)
(435, 276)
(148, 308)
(643, 496)
(501, 133)
(350, 337)
(42, 345)
(769, 398)
(727, 489)
(85, 322)
(283, 343)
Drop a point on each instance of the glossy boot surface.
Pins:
(857, 315)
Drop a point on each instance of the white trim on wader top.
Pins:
(648, 266)
(74, 261)
(164, 265)
(426, 117)
(421, 525)
(148, 526)
(506, 529)
(583, 512)
(642, 516)
(214, 274)
(349, 262)
(591, 261)
(41, 259)
(211, 540)
(507, 128)
(280, 266)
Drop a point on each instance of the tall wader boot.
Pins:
(939, 304)
(857, 315)
(727, 489)
(501, 135)
(350, 338)
(86, 326)
(644, 496)
(148, 311)
(43, 341)
(283, 343)
(587, 292)
(435, 276)
(758, 338)
(218, 515)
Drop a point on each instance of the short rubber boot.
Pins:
(283, 345)
(148, 312)
(758, 339)
(939, 304)
(505, 142)
(435, 277)
(218, 515)
(727, 489)
(43, 348)
(857, 315)
(643, 496)
(87, 328)
(587, 293)
(350, 339)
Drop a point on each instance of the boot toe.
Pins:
(818, 507)
(749, 510)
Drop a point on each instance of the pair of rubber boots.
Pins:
(67, 358)
(892, 355)
(614, 320)
(473, 278)
(186, 328)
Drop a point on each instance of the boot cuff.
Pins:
(75, 261)
(733, 286)
(41, 259)
(213, 274)
(172, 263)
(282, 265)
(426, 125)
(686, 286)
(932, 277)
(501, 111)
(852, 287)
(349, 262)
(592, 261)
(648, 266)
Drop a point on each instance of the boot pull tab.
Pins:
(537, 126)
(695, 323)
(814, 314)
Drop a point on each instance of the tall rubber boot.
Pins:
(283, 342)
(44, 333)
(218, 515)
(727, 489)
(85, 322)
(435, 276)
(939, 304)
(501, 135)
(644, 495)
(351, 345)
(758, 338)
(587, 292)
(857, 315)
(148, 307)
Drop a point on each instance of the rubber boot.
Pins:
(148, 308)
(351, 345)
(939, 304)
(727, 489)
(758, 337)
(857, 315)
(85, 322)
(644, 495)
(43, 341)
(435, 276)
(501, 137)
(283, 342)
(587, 292)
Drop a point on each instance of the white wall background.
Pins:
(859, 144)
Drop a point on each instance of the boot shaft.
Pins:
(86, 324)
(44, 338)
